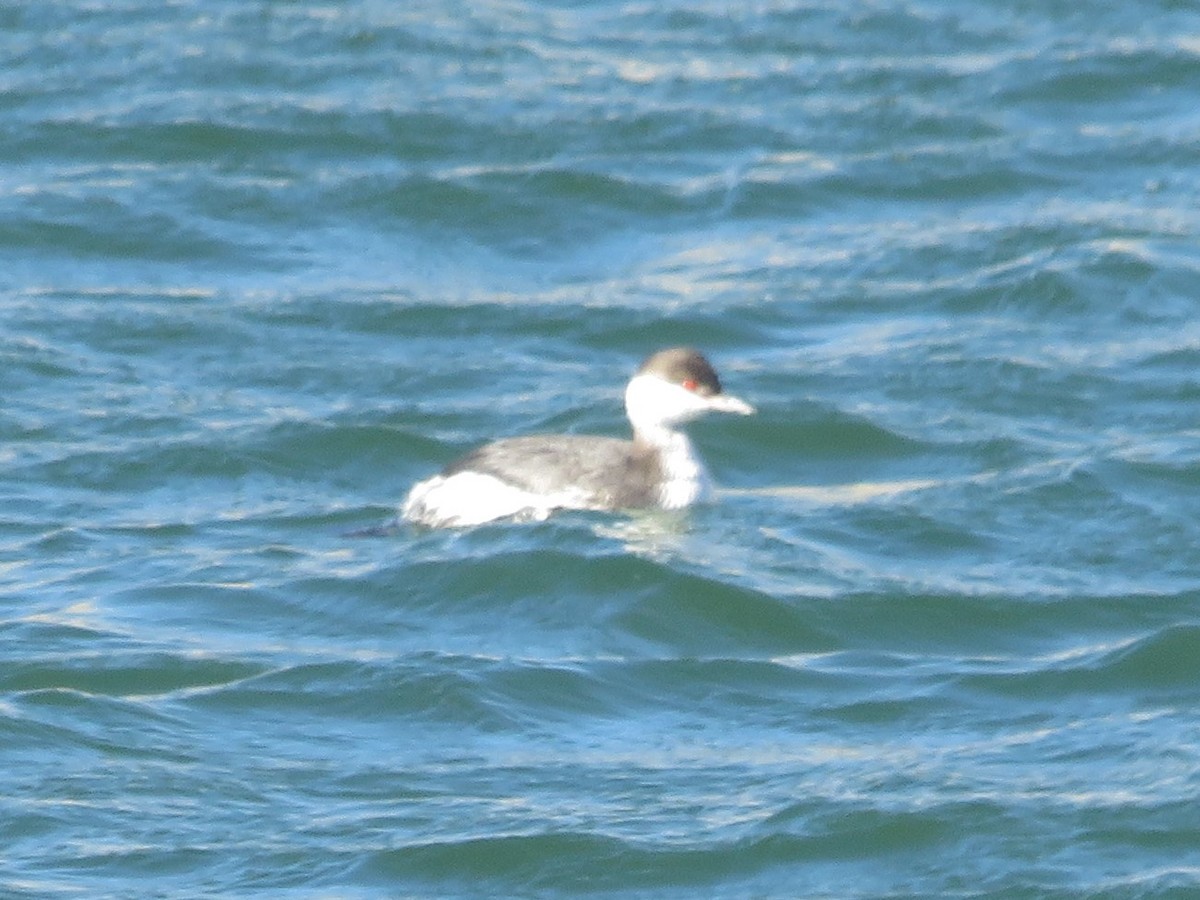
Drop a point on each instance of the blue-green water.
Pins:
(265, 264)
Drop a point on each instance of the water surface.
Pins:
(264, 265)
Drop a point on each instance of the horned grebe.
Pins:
(530, 477)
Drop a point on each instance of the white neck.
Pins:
(684, 478)
(655, 412)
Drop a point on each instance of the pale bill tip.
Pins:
(731, 404)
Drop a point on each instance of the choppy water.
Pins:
(264, 264)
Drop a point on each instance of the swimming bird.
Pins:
(527, 478)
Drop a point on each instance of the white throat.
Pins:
(656, 409)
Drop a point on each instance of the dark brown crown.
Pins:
(685, 366)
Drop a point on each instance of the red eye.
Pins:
(690, 384)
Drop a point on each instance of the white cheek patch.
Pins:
(653, 403)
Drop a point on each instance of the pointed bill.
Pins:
(730, 404)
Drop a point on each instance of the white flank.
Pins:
(472, 498)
